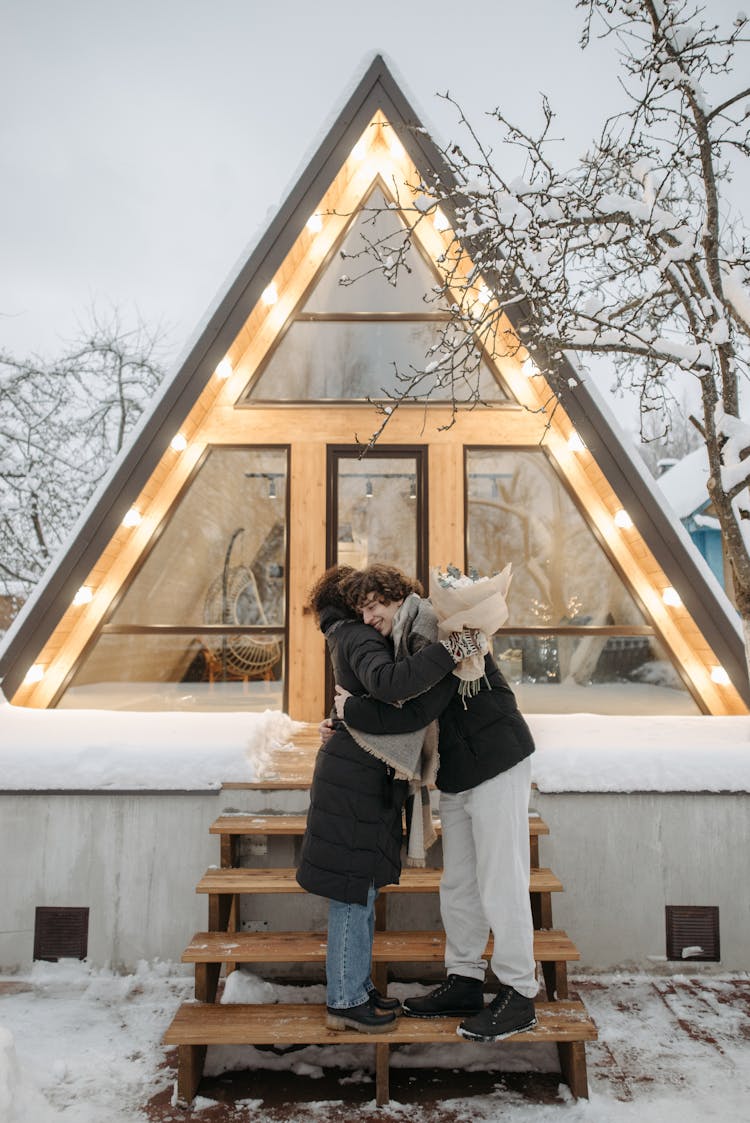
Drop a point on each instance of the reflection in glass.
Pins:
(519, 511)
(376, 517)
(178, 672)
(353, 360)
(235, 509)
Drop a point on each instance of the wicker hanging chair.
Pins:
(232, 598)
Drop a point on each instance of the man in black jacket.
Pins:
(484, 779)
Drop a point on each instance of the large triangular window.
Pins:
(357, 336)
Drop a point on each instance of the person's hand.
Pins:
(340, 700)
(325, 729)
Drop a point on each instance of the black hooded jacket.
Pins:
(353, 836)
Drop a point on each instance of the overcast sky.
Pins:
(144, 144)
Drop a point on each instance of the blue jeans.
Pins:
(349, 952)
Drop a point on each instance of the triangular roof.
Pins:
(376, 93)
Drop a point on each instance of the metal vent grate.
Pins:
(61, 933)
(693, 932)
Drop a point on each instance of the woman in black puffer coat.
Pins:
(352, 845)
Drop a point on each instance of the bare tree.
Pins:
(61, 424)
(632, 254)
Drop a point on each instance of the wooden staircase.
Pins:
(562, 1018)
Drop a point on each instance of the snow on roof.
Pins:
(685, 485)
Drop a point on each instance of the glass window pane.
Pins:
(335, 360)
(221, 556)
(370, 290)
(377, 512)
(180, 672)
(592, 674)
(519, 511)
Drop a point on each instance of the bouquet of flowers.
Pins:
(469, 601)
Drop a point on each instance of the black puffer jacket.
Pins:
(478, 740)
(353, 836)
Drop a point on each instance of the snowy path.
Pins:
(87, 1048)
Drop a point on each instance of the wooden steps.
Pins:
(310, 947)
(206, 1022)
(195, 1026)
(234, 880)
(235, 825)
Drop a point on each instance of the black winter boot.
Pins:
(508, 1013)
(457, 996)
(382, 1001)
(366, 1018)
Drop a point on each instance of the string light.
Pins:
(132, 518)
(178, 442)
(224, 369)
(529, 367)
(575, 444)
(368, 490)
(484, 296)
(34, 674)
(671, 596)
(270, 294)
(413, 488)
(272, 488)
(84, 595)
(315, 223)
(720, 676)
(623, 519)
(359, 150)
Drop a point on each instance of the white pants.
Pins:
(485, 882)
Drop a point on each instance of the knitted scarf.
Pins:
(413, 756)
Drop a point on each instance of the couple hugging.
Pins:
(401, 723)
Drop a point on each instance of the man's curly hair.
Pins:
(386, 582)
(328, 590)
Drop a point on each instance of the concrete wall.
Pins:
(134, 860)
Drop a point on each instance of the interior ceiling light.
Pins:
(671, 596)
(271, 488)
(178, 442)
(368, 490)
(270, 294)
(315, 223)
(623, 519)
(224, 369)
(720, 676)
(132, 518)
(84, 595)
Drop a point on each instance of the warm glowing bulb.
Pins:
(315, 223)
(529, 367)
(83, 596)
(178, 442)
(623, 519)
(270, 294)
(671, 596)
(720, 676)
(484, 296)
(359, 150)
(575, 444)
(132, 518)
(439, 221)
(34, 674)
(224, 369)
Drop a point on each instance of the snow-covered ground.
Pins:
(83, 1046)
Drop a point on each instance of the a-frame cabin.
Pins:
(184, 585)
